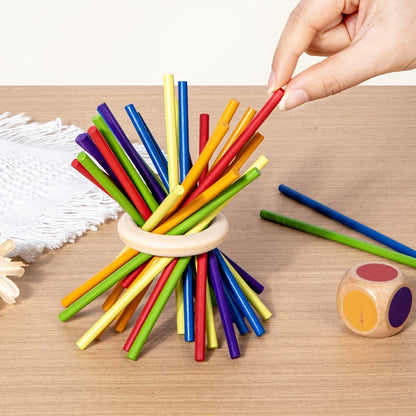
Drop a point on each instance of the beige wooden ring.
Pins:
(173, 245)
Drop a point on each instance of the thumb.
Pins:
(338, 72)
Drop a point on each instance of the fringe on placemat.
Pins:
(44, 202)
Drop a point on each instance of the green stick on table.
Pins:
(339, 238)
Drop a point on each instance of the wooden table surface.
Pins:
(355, 152)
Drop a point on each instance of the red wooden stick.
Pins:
(200, 306)
(244, 137)
(203, 137)
(120, 173)
(76, 164)
(149, 304)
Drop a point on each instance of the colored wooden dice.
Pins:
(374, 299)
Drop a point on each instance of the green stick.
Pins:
(103, 286)
(125, 162)
(224, 196)
(158, 307)
(339, 238)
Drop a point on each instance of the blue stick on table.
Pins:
(349, 222)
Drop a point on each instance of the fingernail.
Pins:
(270, 84)
(293, 99)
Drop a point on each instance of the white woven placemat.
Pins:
(44, 202)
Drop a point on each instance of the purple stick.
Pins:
(250, 280)
(137, 160)
(216, 282)
(85, 142)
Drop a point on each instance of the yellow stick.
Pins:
(260, 163)
(163, 208)
(180, 317)
(171, 131)
(212, 341)
(251, 296)
(157, 264)
(198, 202)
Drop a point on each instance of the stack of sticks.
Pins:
(182, 198)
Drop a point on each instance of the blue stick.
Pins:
(184, 157)
(250, 280)
(149, 143)
(236, 313)
(184, 166)
(188, 304)
(240, 297)
(349, 222)
(128, 148)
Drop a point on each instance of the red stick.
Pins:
(149, 304)
(203, 137)
(120, 173)
(200, 306)
(76, 164)
(129, 279)
(244, 137)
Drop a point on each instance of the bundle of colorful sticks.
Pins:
(154, 204)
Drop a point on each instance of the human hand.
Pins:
(362, 39)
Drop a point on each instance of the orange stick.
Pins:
(201, 163)
(246, 152)
(198, 202)
(242, 124)
(99, 277)
(149, 265)
(113, 296)
(124, 318)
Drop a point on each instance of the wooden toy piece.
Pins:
(374, 299)
(8, 289)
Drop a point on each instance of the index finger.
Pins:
(306, 19)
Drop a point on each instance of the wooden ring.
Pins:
(173, 245)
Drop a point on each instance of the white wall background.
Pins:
(135, 42)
